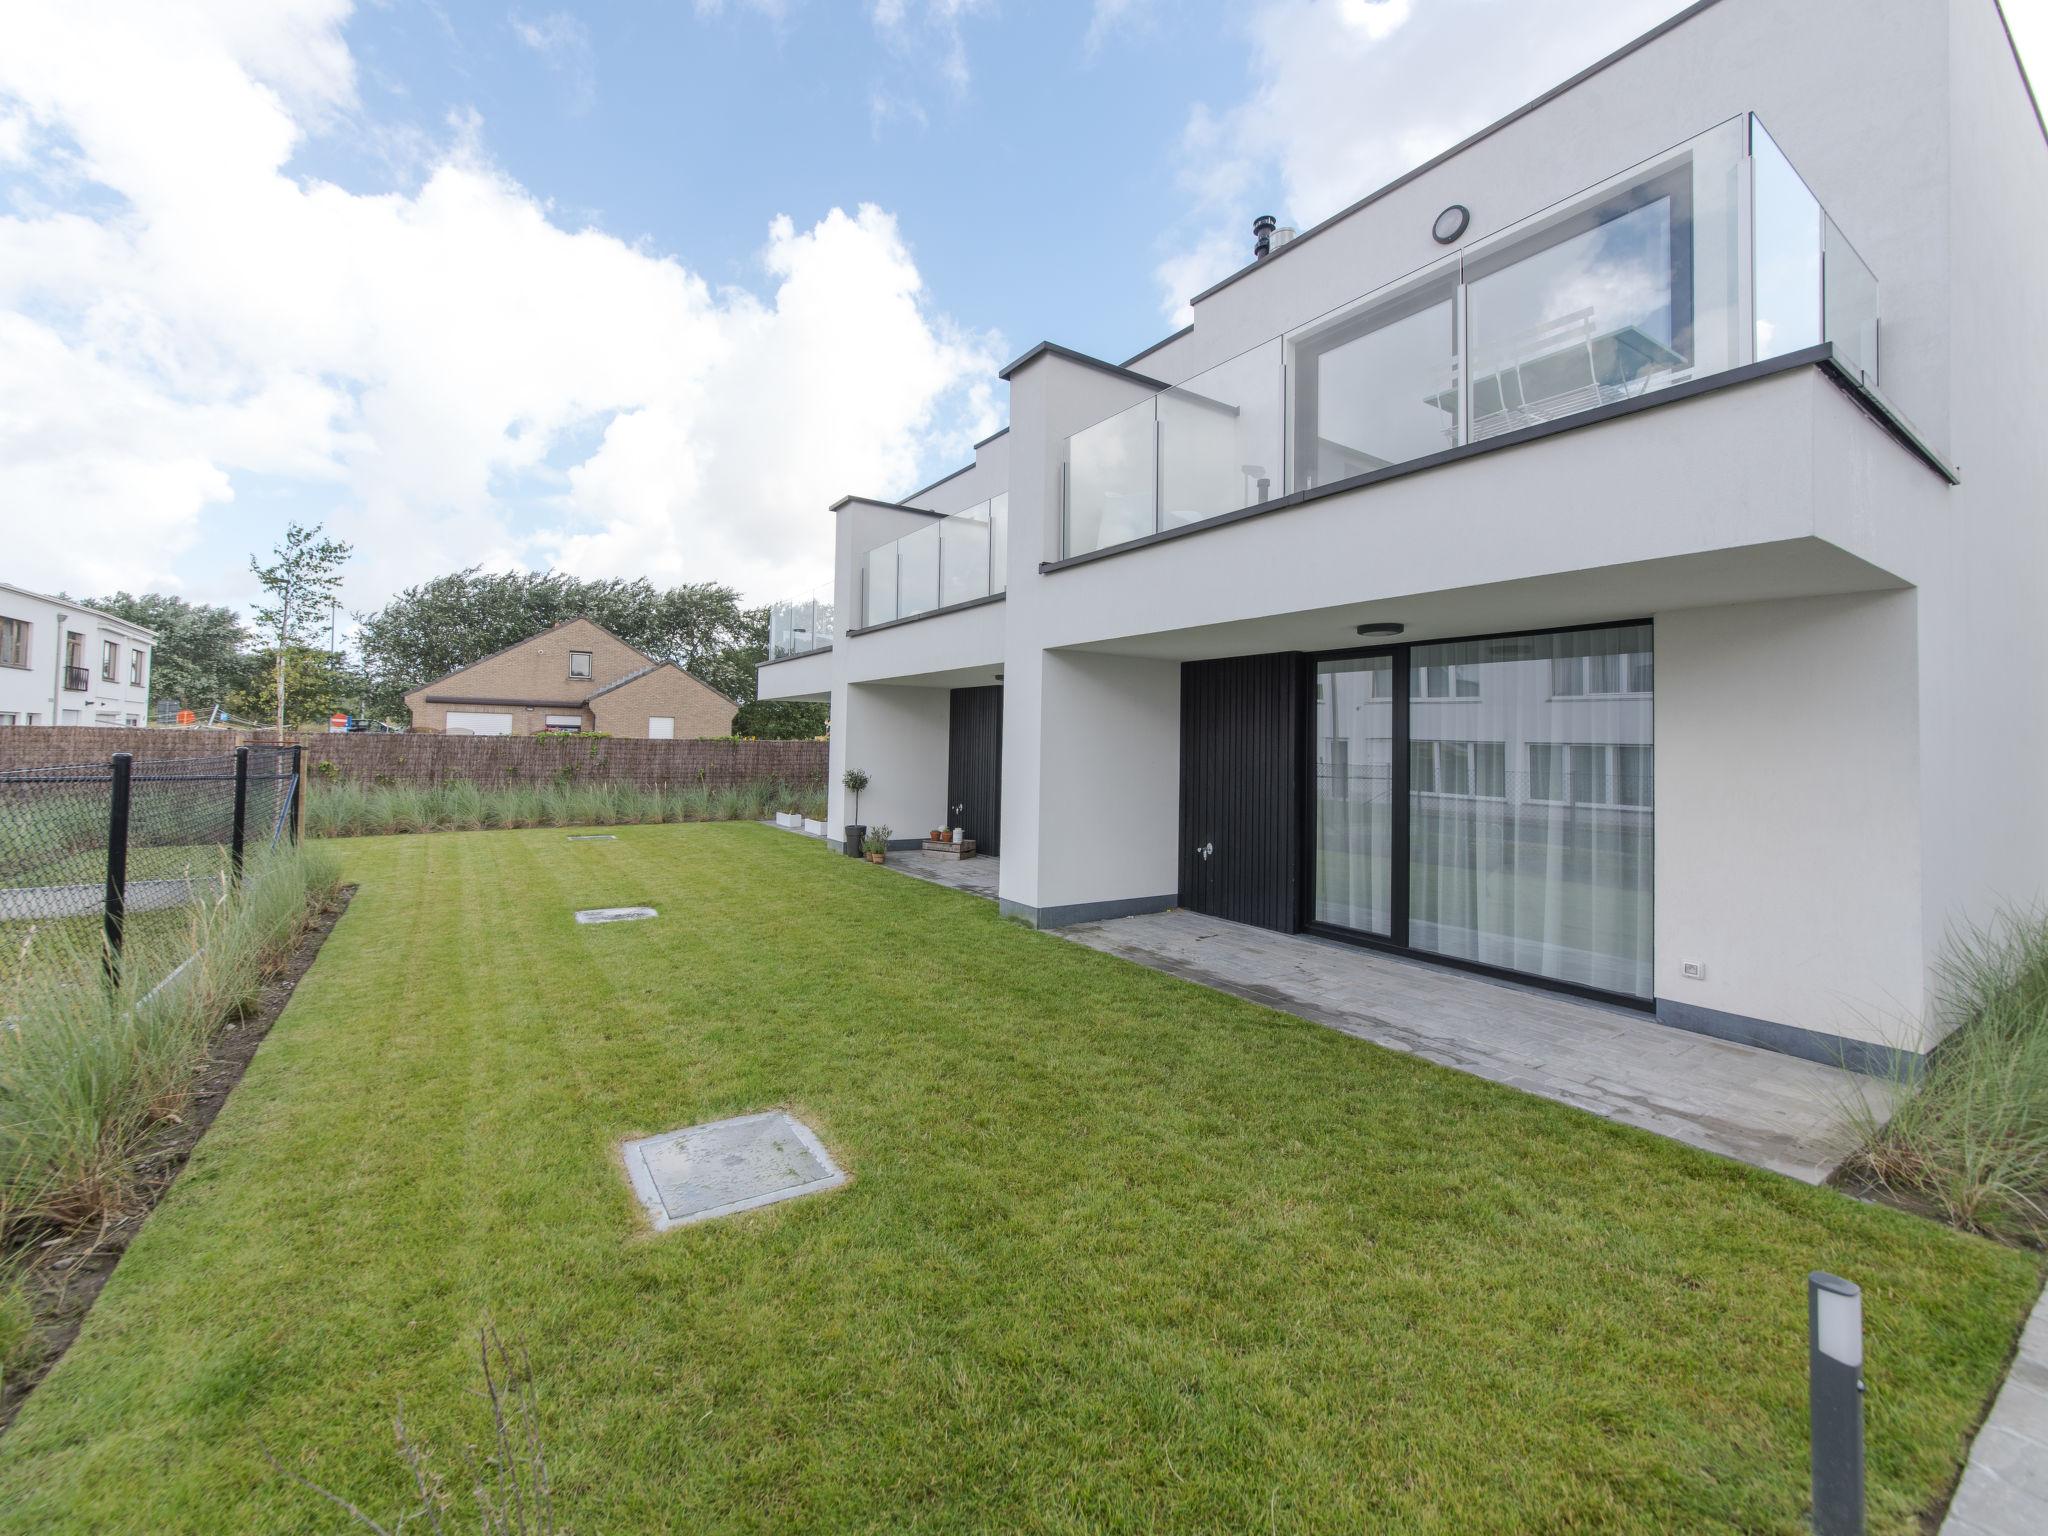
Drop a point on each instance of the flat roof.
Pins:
(74, 603)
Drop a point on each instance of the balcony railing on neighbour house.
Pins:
(77, 679)
(1710, 256)
(954, 560)
(797, 626)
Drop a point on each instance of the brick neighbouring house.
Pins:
(578, 676)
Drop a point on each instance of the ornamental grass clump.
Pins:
(1969, 1134)
(89, 1070)
(359, 810)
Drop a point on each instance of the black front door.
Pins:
(974, 767)
(1241, 736)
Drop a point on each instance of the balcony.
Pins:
(77, 679)
(954, 560)
(798, 626)
(1706, 258)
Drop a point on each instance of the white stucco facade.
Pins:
(62, 663)
(1843, 574)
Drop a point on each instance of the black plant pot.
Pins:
(855, 836)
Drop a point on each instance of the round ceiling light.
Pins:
(1381, 629)
(1451, 223)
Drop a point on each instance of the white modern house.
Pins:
(1613, 555)
(62, 663)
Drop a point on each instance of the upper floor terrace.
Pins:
(1685, 269)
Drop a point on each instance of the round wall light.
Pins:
(1450, 223)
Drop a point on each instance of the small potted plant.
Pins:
(876, 845)
(855, 780)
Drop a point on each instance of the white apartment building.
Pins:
(62, 663)
(1613, 555)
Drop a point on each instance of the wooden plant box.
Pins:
(963, 849)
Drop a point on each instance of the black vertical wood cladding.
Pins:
(974, 766)
(1242, 740)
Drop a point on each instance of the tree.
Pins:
(197, 660)
(302, 579)
(317, 684)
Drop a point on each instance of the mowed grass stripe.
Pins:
(1119, 1252)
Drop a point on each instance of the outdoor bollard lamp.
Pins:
(1834, 1332)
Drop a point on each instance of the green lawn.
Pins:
(1119, 1253)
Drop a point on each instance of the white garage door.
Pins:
(463, 722)
(661, 727)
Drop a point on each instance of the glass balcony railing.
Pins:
(1709, 256)
(953, 560)
(799, 625)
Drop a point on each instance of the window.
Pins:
(1547, 869)
(558, 725)
(1593, 306)
(135, 669)
(579, 663)
(1470, 768)
(110, 658)
(1602, 676)
(1593, 773)
(135, 719)
(9, 718)
(1443, 682)
(13, 642)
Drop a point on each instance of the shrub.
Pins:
(1970, 1134)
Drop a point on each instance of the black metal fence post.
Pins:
(298, 791)
(1834, 1330)
(123, 765)
(241, 809)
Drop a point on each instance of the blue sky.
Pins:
(693, 131)
(636, 289)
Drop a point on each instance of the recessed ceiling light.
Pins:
(1450, 223)
(1381, 629)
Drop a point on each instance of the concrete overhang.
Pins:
(1781, 486)
(963, 639)
(805, 679)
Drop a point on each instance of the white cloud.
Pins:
(1347, 96)
(932, 32)
(458, 374)
(1110, 17)
(774, 10)
(563, 44)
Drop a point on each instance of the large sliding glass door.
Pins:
(1354, 852)
(1516, 830)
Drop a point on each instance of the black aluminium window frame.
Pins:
(1396, 940)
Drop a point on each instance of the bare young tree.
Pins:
(303, 577)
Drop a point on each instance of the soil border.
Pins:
(66, 1272)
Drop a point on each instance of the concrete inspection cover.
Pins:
(726, 1166)
(616, 914)
(593, 837)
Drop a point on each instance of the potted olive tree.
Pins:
(855, 780)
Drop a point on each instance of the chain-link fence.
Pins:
(103, 862)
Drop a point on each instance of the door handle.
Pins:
(1205, 850)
